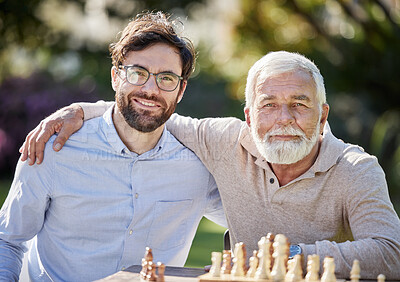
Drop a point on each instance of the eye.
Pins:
(298, 105)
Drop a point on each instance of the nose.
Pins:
(151, 85)
(285, 116)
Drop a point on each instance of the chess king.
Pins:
(283, 171)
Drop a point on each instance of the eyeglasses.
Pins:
(138, 76)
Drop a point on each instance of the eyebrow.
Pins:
(164, 71)
(269, 97)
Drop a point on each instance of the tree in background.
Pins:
(354, 43)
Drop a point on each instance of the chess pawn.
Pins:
(329, 270)
(312, 268)
(381, 278)
(295, 272)
(216, 264)
(239, 260)
(151, 272)
(160, 272)
(253, 263)
(355, 271)
(264, 259)
(280, 255)
(226, 262)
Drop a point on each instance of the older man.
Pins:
(121, 183)
(283, 171)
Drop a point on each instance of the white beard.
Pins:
(285, 152)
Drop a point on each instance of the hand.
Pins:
(65, 121)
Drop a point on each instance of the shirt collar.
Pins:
(329, 154)
(115, 141)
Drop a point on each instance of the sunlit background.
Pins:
(54, 52)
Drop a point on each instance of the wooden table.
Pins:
(172, 274)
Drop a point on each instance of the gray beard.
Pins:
(285, 152)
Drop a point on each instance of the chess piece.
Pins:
(239, 260)
(216, 264)
(329, 270)
(295, 272)
(253, 263)
(264, 258)
(226, 262)
(160, 272)
(355, 271)
(381, 278)
(280, 255)
(312, 268)
(148, 257)
(151, 272)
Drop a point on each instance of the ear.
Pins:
(182, 90)
(247, 115)
(324, 116)
(114, 78)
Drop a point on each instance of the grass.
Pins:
(209, 238)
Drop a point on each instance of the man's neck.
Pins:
(288, 172)
(136, 141)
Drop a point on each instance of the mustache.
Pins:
(288, 130)
(144, 95)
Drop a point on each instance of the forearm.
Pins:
(376, 256)
(10, 261)
(92, 110)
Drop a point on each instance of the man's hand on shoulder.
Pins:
(65, 121)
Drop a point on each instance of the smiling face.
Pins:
(286, 118)
(146, 107)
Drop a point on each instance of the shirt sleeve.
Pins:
(22, 216)
(214, 209)
(373, 222)
(92, 110)
(207, 137)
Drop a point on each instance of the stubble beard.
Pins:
(144, 120)
(285, 152)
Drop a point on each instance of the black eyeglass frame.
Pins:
(180, 78)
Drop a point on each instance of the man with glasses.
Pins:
(123, 182)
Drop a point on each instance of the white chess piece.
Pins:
(280, 255)
(381, 278)
(329, 270)
(312, 268)
(264, 259)
(295, 272)
(238, 268)
(253, 263)
(355, 271)
(215, 269)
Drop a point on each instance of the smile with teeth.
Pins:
(145, 103)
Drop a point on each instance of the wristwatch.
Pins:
(294, 250)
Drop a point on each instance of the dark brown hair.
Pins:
(148, 29)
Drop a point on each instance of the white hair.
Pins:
(275, 63)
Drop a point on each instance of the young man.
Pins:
(121, 183)
(283, 171)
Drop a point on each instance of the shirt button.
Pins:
(130, 232)
(271, 180)
(136, 195)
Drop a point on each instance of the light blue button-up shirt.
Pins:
(93, 207)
